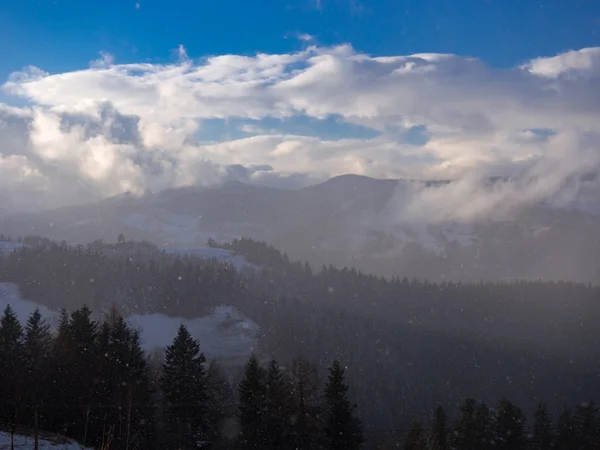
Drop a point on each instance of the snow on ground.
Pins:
(9, 247)
(220, 254)
(11, 295)
(226, 334)
(27, 443)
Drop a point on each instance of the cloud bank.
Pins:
(111, 128)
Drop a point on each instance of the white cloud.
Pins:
(116, 127)
(305, 37)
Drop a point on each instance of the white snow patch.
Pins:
(23, 442)
(226, 334)
(8, 247)
(10, 294)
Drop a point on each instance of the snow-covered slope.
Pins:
(8, 247)
(376, 226)
(226, 334)
(219, 254)
(23, 442)
(11, 295)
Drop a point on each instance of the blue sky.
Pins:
(63, 35)
(113, 96)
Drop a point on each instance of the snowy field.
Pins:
(225, 334)
(27, 443)
(8, 247)
(220, 254)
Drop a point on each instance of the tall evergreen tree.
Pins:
(11, 366)
(343, 431)
(184, 385)
(439, 430)
(542, 437)
(565, 431)
(38, 348)
(465, 435)
(585, 421)
(84, 369)
(253, 406)
(509, 426)
(416, 438)
(220, 407)
(279, 411)
(307, 408)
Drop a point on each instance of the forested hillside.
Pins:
(409, 345)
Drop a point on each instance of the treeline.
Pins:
(503, 427)
(409, 345)
(256, 252)
(92, 382)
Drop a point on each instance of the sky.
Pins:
(101, 98)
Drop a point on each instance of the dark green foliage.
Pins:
(343, 431)
(279, 408)
(587, 426)
(509, 426)
(439, 430)
(184, 385)
(542, 437)
(38, 352)
(416, 438)
(12, 367)
(253, 406)
(465, 435)
(565, 431)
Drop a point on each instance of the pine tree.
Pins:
(124, 384)
(38, 348)
(484, 433)
(416, 438)
(343, 431)
(253, 406)
(184, 386)
(220, 405)
(585, 420)
(84, 370)
(565, 434)
(12, 368)
(439, 430)
(465, 435)
(542, 438)
(307, 409)
(509, 426)
(279, 407)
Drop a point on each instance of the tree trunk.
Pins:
(36, 436)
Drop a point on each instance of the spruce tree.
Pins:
(465, 436)
(565, 430)
(509, 426)
(279, 407)
(585, 421)
(38, 348)
(184, 386)
(343, 431)
(542, 438)
(12, 368)
(439, 430)
(253, 406)
(220, 406)
(307, 408)
(416, 438)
